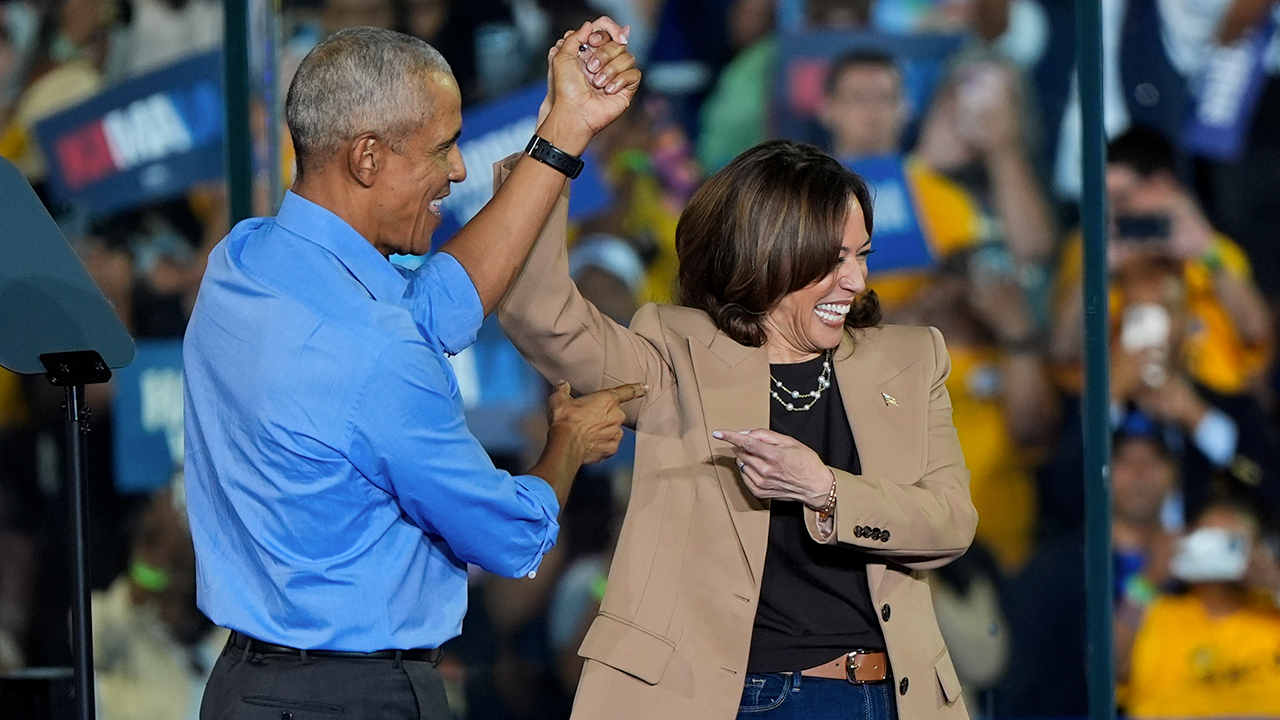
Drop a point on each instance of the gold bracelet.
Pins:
(825, 513)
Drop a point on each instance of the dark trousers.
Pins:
(246, 685)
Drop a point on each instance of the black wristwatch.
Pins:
(543, 151)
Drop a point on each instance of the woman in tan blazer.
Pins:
(796, 464)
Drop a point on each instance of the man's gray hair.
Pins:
(361, 79)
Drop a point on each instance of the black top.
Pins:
(814, 600)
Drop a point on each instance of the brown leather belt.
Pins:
(858, 667)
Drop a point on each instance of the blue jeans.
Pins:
(788, 696)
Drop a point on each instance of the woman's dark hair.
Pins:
(769, 223)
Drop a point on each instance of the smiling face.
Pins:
(416, 176)
(810, 320)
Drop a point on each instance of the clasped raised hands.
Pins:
(591, 81)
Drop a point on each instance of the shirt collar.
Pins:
(322, 227)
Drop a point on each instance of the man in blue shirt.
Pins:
(336, 496)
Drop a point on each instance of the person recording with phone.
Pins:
(978, 132)
(1157, 222)
(1191, 334)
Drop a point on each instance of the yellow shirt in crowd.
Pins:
(13, 408)
(1187, 664)
(1002, 488)
(1212, 350)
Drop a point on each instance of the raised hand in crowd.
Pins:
(980, 119)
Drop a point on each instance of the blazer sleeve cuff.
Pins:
(823, 533)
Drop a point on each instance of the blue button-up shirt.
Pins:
(334, 491)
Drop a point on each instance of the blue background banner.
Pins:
(145, 139)
(146, 416)
(493, 131)
(1227, 95)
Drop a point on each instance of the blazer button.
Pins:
(902, 687)
(884, 536)
(857, 531)
(884, 612)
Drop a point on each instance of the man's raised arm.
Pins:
(592, 81)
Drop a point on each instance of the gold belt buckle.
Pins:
(853, 664)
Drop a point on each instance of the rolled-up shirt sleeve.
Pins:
(444, 302)
(410, 439)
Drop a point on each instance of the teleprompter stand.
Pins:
(54, 321)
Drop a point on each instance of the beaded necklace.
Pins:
(824, 382)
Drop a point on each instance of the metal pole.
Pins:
(235, 68)
(1097, 395)
(273, 104)
(81, 621)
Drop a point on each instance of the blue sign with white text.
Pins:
(1227, 95)
(898, 239)
(146, 417)
(145, 139)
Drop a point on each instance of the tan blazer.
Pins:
(672, 636)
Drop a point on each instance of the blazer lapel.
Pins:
(886, 412)
(733, 388)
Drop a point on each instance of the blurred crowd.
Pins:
(973, 153)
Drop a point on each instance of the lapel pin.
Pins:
(890, 400)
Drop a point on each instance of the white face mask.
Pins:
(1211, 555)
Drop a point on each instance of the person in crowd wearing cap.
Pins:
(609, 272)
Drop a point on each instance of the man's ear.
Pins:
(364, 158)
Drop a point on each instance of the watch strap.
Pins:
(541, 150)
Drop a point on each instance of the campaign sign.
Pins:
(805, 56)
(147, 138)
(899, 238)
(493, 131)
(1227, 95)
(146, 417)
